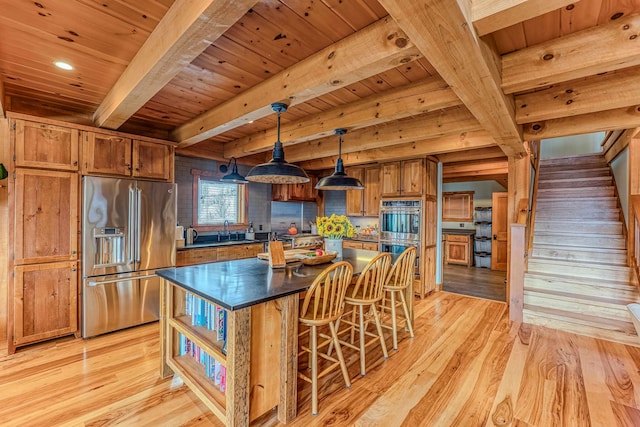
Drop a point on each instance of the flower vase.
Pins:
(333, 245)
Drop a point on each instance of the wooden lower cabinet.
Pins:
(458, 249)
(354, 244)
(194, 256)
(44, 301)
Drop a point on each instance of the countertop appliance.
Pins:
(128, 231)
(302, 241)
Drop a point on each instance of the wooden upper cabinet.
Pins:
(152, 160)
(457, 206)
(371, 191)
(106, 154)
(403, 178)
(355, 197)
(364, 202)
(45, 146)
(298, 192)
(46, 216)
(44, 301)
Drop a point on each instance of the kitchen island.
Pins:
(260, 350)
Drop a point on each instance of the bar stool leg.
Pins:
(362, 343)
(405, 307)
(314, 370)
(394, 323)
(343, 365)
(379, 328)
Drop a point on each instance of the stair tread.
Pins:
(586, 299)
(593, 221)
(577, 264)
(595, 320)
(579, 280)
(590, 263)
(562, 247)
(585, 178)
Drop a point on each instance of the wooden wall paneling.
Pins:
(3, 106)
(5, 248)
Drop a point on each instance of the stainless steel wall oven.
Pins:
(401, 226)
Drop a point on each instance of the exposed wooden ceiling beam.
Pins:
(482, 167)
(450, 143)
(372, 50)
(597, 93)
(468, 155)
(413, 99)
(500, 178)
(445, 36)
(584, 53)
(426, 126)
(491, 15)
(187, 29)
(619, 118)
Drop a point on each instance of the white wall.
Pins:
(620, 168)
(483, 191)
(571, 145)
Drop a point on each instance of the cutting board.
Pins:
(289, 254)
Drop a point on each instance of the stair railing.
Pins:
(634, 234)
(534, 193)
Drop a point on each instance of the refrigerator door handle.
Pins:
(131, 228)
(138, 222)
(125, 279)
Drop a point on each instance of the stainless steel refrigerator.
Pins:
(128, 232)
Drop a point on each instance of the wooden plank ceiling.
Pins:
(465, 81)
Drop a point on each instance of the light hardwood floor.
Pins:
(474, 281)
(467, 366)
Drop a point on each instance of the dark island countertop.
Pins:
(464, 231)
(242, 283)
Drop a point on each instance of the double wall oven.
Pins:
(401, 226)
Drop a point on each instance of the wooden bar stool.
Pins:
(400, 279)
(367, 291)
(322, 305)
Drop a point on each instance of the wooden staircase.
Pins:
(578, 279)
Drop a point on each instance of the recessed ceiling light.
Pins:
(63, 65)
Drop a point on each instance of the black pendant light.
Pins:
(234, 176)
(277, 170)
(339, 180)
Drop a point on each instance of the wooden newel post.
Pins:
(516, 272)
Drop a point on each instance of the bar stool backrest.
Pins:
(324, 301)
(370, 283)
(403, 270)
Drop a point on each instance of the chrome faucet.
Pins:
(225, 227)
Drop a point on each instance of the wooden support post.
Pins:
(287, 408)
(166, 298)
(239, 343)
(518, 188)
(516, 271)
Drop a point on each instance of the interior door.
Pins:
(499, 231)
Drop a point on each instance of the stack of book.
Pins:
(211, 317)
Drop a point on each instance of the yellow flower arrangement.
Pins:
(335, 227)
